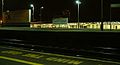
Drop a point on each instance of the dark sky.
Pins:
(89, 9)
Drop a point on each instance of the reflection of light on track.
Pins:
(13, 40)
(107, 48)
(18, 60)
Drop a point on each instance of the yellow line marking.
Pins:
(18, 60)
(51, 54)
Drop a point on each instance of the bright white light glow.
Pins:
(78, 2)
(42, 7)
(31, 5)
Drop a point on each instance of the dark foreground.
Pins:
(96, 45)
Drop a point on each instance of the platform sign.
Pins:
(60, 20)
(115, 5)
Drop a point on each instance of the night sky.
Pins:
(89, 9)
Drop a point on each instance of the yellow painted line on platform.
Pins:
(58, 55)
(20, 61)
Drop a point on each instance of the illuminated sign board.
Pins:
(115, 5)
(60, 20)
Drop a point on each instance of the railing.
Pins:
(82, 25)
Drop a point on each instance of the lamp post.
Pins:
(110, 18)
(101, 15)
(41, 12)
(31, 5)
(78, 3)
(2, 11)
